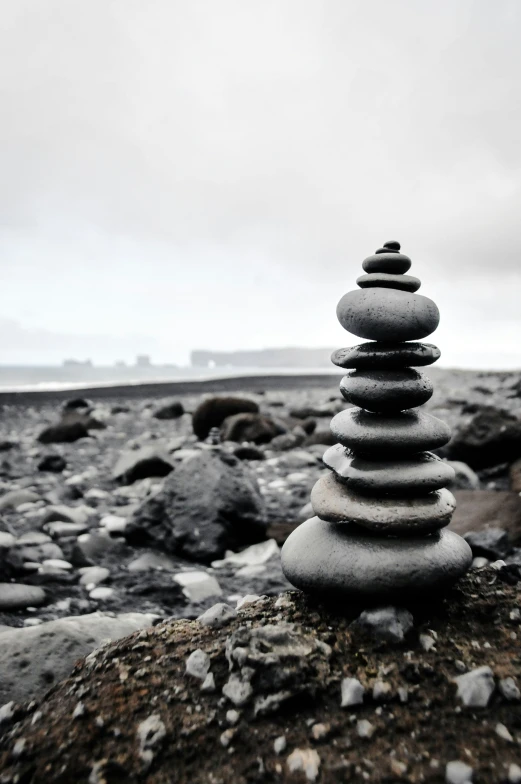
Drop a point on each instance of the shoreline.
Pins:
(159, 389)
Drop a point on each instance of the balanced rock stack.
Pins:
(382, 510)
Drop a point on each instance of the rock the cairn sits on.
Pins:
(382, 511)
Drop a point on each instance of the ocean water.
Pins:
(32, 378)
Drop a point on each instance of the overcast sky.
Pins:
(179, 174)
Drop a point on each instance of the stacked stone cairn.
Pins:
(382, 510)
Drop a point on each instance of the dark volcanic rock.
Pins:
(386, 281)
(331, 501)
(386, 390)
(89, 727)
(64, 432)
(371, 434)
(490, 543)
(257, 428)
(209, 504)
(349, 561)
(391, 356)
(492, 436)
(387, 314)
(140, 464)
(53, 463)
(172, 410)
(214, 410)
(419, 474)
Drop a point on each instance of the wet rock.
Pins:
(386, 623)
(53, 463)
(333, 502)
(172, 410)
(387, 314)
(370, 435)
(417, 475)
(210, 503)
(492, 436)
(492, 543)
(141, 463)
(386, 391)
(214, 410)
(347, 562)
(386, 355)
(254, 428)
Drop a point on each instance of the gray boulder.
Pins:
(491, 437)
(32, 659)
(209, 504)
(214, 410)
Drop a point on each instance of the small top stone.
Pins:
(391, 245)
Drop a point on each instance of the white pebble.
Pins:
(198, 664)
(352, 692)
(457, 772)
(305, 760)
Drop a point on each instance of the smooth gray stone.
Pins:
(393, 246)
(18, 596)
(333, 501)
(376, 356)
(347, 562)
(386, 391)
(387, 314)
(403, 282)
(417, 475)
(390, 262)
(379, 436)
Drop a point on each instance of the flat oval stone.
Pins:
(387, 314)
(380, 435)
(391, 262)
(412, 476)
(348, 562)
(367, 356)
(386, 390)
(402, 282)
(333, 501)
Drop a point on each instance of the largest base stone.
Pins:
(345, 562)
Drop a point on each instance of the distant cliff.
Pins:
(268, 357)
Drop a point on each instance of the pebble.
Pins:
(6, 711)
(372, 435)
(198, 585)
(457, 772)
(386, 623)
(388, 281)
(352, 692)
(279, 744)
(502, 732)
(514, 774)
(305, 760)
(388, 262)
(415, 475)
(208, 684)
(14, 499)
(7, 539)
(57, 563)
(18, 596)
(364, 729)
(151, 733)
(509, 689)
(387, 314)
(386, 391)
(232, 716)
(198, 664)
(382, 690)
(476, 687)
(336, 503)
(152, 561)
(386, 355)
(113, 524)
(92, 575)
(217, 616)
(102, 593)
(348, 562)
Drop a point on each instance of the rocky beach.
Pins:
(137, 510)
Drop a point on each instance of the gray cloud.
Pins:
(186, 168)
